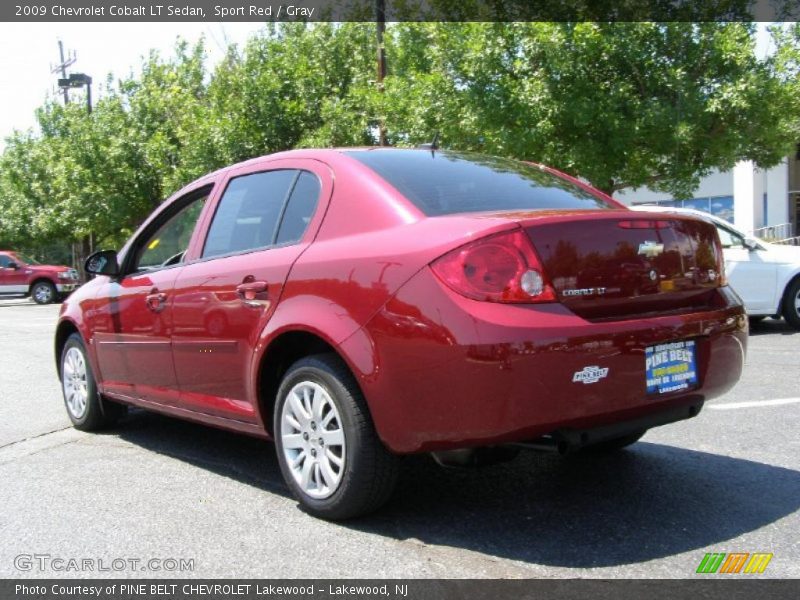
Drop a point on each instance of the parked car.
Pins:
(765, 275)
(21, 275)
(359, 305)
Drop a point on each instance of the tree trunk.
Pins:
(82, 251)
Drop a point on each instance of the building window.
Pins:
(719, 206)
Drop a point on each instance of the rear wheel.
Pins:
(85, 408)
(791, 304)
(614, 444)
(43, 292)
(328, 450)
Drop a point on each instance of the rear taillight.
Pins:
(497, 268)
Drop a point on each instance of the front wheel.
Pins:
(328, 450)
(43, 292)
(791, 304)
(84, 406)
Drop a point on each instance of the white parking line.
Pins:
(755, 404)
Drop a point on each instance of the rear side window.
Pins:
(248, 212)
(300, 209)
(444, 183)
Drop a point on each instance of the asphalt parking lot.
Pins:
(157, 488)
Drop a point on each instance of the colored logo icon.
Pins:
(734, 562)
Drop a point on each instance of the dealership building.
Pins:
(762, 201)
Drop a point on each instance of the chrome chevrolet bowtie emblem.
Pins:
(650, 249)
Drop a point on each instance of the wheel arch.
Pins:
(790, 281)
(63, 331)
(283, 350)
(40, 278)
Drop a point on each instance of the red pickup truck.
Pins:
(23, 276)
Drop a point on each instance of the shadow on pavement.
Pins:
(238, 457)
(646, 502)
(17, 301)
(771, 326)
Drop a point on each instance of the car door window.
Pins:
(169, 242)
(300, 208)
(4, 261)
(248, 212)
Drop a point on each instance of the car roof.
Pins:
(298, 153)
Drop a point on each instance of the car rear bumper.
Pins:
(449, 372)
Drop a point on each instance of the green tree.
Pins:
(624, 104)
(620, 104)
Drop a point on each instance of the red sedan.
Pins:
(357, 305)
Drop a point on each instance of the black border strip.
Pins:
(398, 10)
(707, 587)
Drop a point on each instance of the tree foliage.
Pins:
(624, 104)
(621, 104)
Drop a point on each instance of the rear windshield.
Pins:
(445, 183)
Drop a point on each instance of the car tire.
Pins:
(44, 292)
(85, 407)
(328, 450)
(791, 304)
(614, 444)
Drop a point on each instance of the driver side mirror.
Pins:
(103, 262)
(750, 244)
(12, 265)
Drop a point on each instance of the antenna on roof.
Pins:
(432, 146)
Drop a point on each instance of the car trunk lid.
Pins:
(619, 264)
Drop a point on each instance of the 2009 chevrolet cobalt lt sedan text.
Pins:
(358, 305)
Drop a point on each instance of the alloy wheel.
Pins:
(312, 440)
(74, 380)
(43, 294)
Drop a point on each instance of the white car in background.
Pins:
(766, 276)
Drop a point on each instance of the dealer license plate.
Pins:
(671, 367)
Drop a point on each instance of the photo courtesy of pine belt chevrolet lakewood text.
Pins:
(358, 305)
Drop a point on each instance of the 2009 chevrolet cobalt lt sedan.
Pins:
(357, 305)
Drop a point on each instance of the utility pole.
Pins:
(62, 67)
(80, 250)
(380, 23)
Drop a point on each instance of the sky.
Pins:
(28, 51)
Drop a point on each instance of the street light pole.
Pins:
(89, 95)
(76, 80)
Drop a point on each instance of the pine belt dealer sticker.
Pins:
(671, 367)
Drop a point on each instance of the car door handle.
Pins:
(156, 301)
(252, 290)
